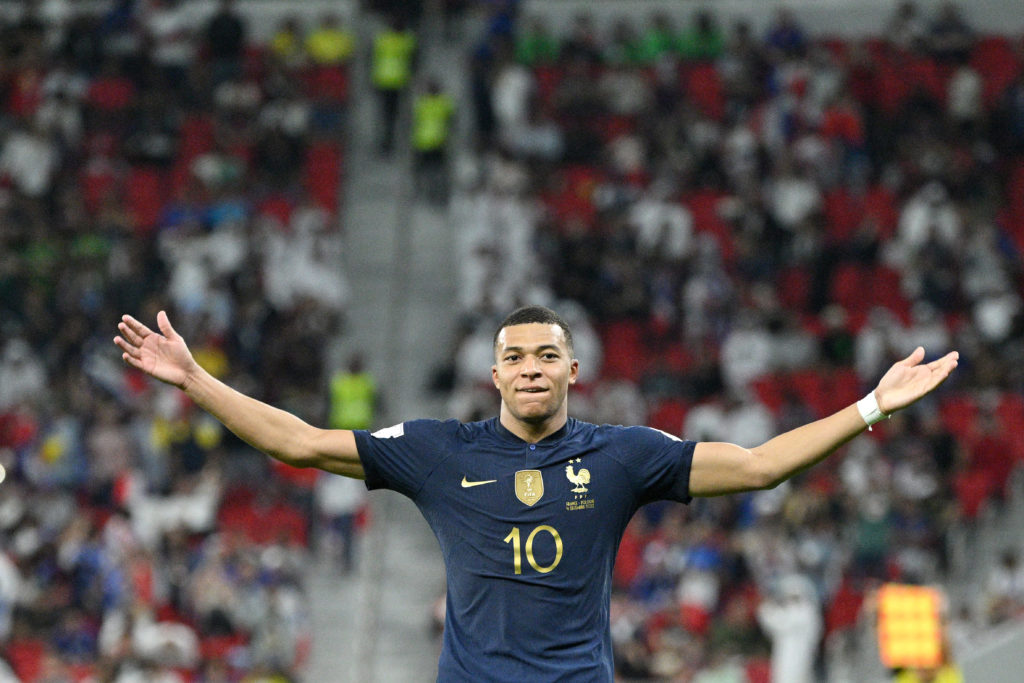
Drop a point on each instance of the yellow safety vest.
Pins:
(392, 59)
(431, 115)
(330, 46)
(352, 401)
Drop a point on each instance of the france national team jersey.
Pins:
(529, 534)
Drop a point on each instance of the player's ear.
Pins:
(494, 376)
(574, 370)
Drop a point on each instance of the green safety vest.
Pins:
(352, 401)
(392, 59)
(430, 117)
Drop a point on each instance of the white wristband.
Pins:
(869, 410)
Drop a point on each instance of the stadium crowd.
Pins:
(745, 231)
(154, 158)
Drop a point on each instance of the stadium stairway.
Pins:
(374, 625)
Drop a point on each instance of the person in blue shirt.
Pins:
(529, 506)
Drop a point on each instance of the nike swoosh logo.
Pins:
(470, 484)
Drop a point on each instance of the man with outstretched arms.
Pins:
(529, 506)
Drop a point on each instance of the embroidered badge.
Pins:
(529, 486)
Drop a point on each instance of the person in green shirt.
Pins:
(702, 40)
(659, 39)
(534, 44)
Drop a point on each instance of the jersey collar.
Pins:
(506, 435)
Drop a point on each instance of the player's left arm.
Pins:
(720, 468)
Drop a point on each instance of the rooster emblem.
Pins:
(581, 478)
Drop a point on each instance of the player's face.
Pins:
(533, 370)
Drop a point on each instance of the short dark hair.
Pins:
(535, 314)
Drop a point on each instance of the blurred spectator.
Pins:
(225, 42)
(330, 42)
(29, 159)
(581, 45)
(949, 36)
(287, 43)
(746, 352)
(169, 26)
(394, 50)
(340, 501)
(793, 622)
(129, 168)
(22, 374)
(433, 112)
(535, 45)
(785, 35)
(1004, 588)
(702, 40)
(511, 93)
(907, 28)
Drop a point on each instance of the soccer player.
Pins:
(528, 507)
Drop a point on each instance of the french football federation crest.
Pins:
(529, 486)
(581, 478)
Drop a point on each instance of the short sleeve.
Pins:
(401, 457)
(658, 463)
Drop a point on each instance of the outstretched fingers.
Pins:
(949, 361)
(129, 334)
(164, 323)
(132, 361)
(129, 348)
(915, 357)
(135, 327)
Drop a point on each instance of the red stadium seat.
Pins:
(144, 197)
(972, 489)
(195, 137)
(322, 175)
(277, 206)
(668, 416)
(327, 83)
(703, 85)
(794, 288)
(759, 670)
(703, 205)
(886, 290)
(843, 387)
(843, 214)
(110, 94)
(770, 391)
(623, 350)
(959, 415)
(811, 387)
(25, 656)
(993, 57)
(547, 79)
(97, 183)
(847, 287)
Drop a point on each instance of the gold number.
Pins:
(558, 548)
(514, 537)
(517, 557)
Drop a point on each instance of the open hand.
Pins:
(163, 356)
(908, 380)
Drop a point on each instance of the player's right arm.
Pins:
(275, 432)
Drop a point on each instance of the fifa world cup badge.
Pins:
(529, 486)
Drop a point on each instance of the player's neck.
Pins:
(532, 432)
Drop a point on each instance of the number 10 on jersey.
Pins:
(514, 539)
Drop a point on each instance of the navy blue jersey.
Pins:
(528, 533)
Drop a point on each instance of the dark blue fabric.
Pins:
(549, 621)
